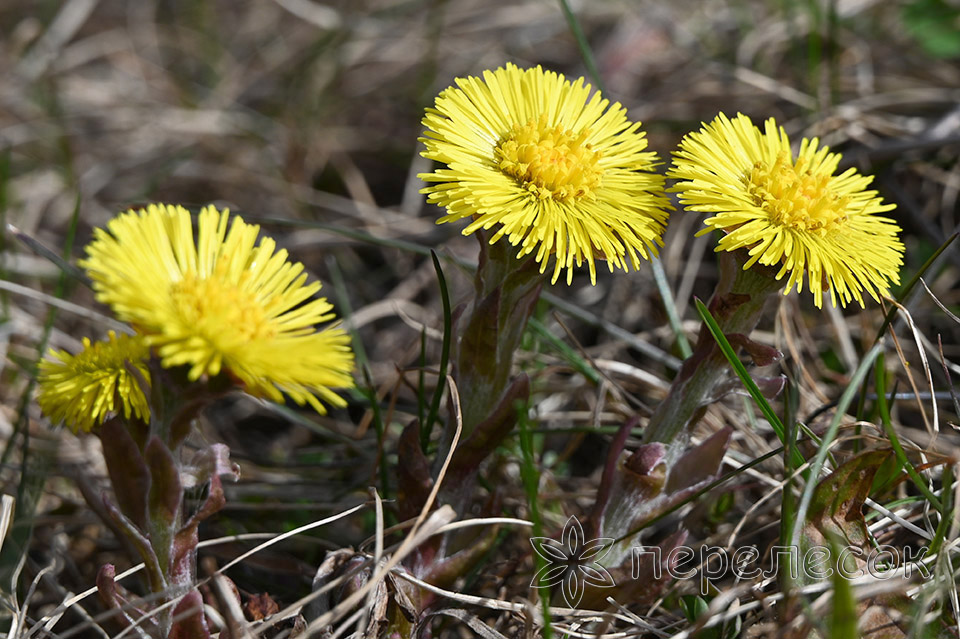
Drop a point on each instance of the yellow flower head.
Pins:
(82, 390)
(789, 211)
(221, 302)
(554, 167)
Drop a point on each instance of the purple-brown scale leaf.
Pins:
(166, 493)
(128, 472)
(836, 507)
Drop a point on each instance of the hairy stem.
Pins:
(507, 290)
(737, 304)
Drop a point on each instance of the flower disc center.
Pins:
(795, 196)
(105, 359)
(217, 308)
(550, 162)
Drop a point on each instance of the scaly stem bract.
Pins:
(736, 305)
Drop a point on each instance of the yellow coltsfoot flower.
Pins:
(789, 211)
(82, 390)
(550, 165)
(220, 302)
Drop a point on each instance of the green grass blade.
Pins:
(61, 262)
(880, 383)
(669, 305)
(843, 609)
(421, 378)
(946, 519)
(61, 291)
(426, 428)
(817, 464)
(346, 310)
(34, 465)
(744, 376)
(531, 484)
(585, 51)
(572, 357)
(788, 504)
